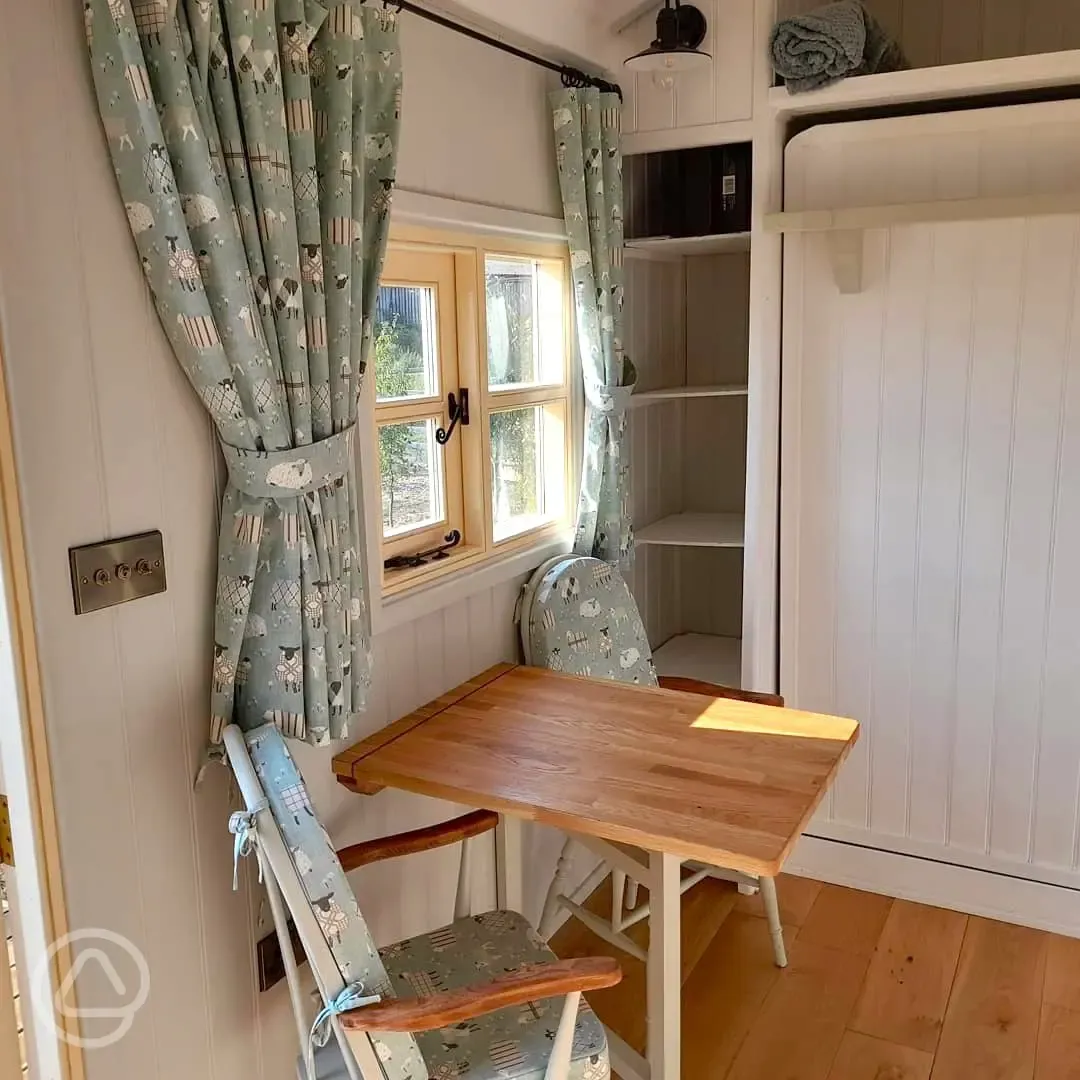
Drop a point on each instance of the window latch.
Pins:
(422, 558)
(458, 405)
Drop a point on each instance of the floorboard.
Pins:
(862, 1057)
(1063, 973)
(846, 919)
(876, 990)
(1058, 1054)
(911, 974)
(725, 993)
(992, 1022)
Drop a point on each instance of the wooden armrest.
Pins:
(517, 988)
(696, 686)
(409, 843)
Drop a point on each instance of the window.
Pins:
(489, 325)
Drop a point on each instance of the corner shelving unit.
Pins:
(695, 530)
(675, 246)
(688, 334)
(684, 393)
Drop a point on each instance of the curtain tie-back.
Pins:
(610, 400)
(286, 474)
(246, 840)
(352, 997)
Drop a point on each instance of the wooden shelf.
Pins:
(727, 133)
(847, 227)
(672, 247)
(920, 213)
(701, 656)
(1013, 73)
(683, 393)
(695, 530)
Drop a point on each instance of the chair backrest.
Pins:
(293, 846)
(578, 616)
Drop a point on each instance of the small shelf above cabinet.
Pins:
(673, 247)
(704, 657)
(682, 393)
(695, 530)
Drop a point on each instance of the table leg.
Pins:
(664, 989)
(508, 863)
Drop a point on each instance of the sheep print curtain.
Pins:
(254, 142)
(587, 148)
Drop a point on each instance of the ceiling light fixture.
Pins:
(680, 30)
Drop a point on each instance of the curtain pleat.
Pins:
(255, 145)
(587, 146)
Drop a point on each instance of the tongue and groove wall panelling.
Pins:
(931, 438)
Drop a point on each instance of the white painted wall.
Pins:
(110, 441)
(929, 523)
(477, 123)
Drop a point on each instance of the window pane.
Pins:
(517, 461)
(412, 487)
(406, 353)
(513, 355)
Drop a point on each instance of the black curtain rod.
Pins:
(571, 76)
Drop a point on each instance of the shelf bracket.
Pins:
(846, 248)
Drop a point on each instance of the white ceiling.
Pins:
(579, 31)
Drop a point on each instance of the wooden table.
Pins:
(681, 776)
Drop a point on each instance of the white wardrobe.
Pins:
(930, 495)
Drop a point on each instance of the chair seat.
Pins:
(511, 1044)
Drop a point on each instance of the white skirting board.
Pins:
(975, 892)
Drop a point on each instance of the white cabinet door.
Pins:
(931, 491)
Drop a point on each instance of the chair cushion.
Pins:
(511, 1044)
(327, 889)
(578, 616)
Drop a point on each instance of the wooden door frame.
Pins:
(38, 898)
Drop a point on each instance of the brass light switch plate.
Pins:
(116, 571)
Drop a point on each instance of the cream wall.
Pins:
(111, 441)
(477, 125)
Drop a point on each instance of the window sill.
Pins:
(408, 603)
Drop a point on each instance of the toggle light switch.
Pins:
(116, 571)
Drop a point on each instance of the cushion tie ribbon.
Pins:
(246, 840)
(352, 997)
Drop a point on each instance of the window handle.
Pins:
(422, 558)
(459, 410)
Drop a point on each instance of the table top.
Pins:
(724, 782)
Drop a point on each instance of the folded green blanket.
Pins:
(837, 40)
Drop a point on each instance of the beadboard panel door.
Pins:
(930, 510)
(936, 32)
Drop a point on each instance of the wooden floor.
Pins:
(876, 989)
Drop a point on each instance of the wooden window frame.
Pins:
(473, 515)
